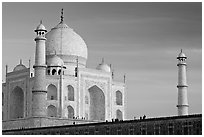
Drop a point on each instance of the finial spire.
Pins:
(6, 68)
(181, 51)
(29, 62)
(62, 16)
(102, 60)
(20, 61)
(124, 78)
(40, 21)
(77, 60)
(112, 74)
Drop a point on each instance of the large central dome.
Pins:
(67, 44)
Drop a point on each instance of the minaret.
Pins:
(39, 91)
(182, 85)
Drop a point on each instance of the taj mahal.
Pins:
(62, 90)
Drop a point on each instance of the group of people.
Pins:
(144, 117)
(79, 118)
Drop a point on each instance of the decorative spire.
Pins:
(20, 61)
(102, 61)
(6, 68)
(77, 60)
(29, 62)
(112, 74)
(124, 78)
(62, 16)
(76, 69)
(40, 21)
(181, 50)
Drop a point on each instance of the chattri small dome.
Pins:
(55, 61)
(181, 55)
(40, 27)
(103, 66)
(19, 67)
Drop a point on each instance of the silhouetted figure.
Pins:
(106, 121)
(140, 118)
(144, 117)
(73, 123)
(112, 120)
(134, 118)
(73, 117)
(116, 120)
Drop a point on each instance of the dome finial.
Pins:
(62, 17)
(181, 50)
(20, 61)
(40, 21)
(102, 61)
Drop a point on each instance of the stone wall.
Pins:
(41, 122)
(177, 125)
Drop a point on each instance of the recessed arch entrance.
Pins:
(52, 92)
(119, 97)
(70, 111)
(17, 103)
(51, 111)
(97, 103)
(119, 115)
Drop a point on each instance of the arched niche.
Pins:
(97, 103)
(51, 111)
(17, 103)
(2, 98)
(119, 98)
(119, 115)
(51, 92)
(70, 93)
(86, 100)
(70, 111)
(54, 71)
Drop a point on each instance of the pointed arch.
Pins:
(17, 103)
(70, 93)
(70, 111)
(51, 111)
(59, 72)
(2, 98)
(54, 71)
(51, 92)
(86, 100)
(119, 114)
(119, 98)
(97, 103)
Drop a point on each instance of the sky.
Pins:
(140, 40)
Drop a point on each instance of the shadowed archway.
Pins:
(70, 111)
(97, 103)
(70, 93)
(51, 111)
(119, 115)
(17, 103)
(52, 92)
(119, 100)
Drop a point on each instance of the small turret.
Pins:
(40, 30)
(103, 66)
